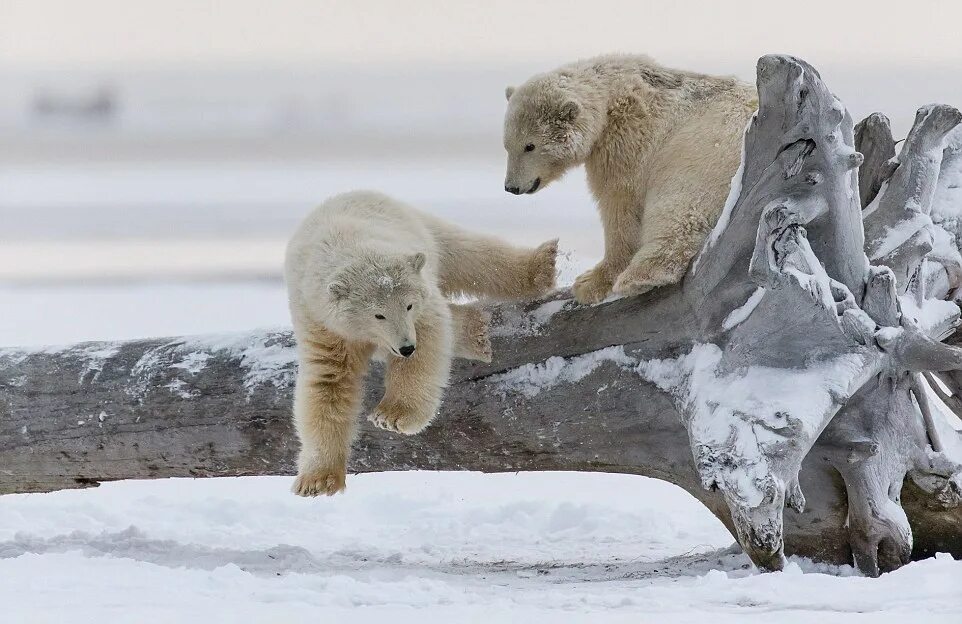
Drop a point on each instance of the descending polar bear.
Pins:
(659, 147)
(368, 276)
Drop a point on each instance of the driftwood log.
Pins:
(783, 383)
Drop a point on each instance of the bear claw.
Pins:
(591, 286)
(327, 482)
(398, 420)
(639, 281)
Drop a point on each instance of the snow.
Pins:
(419, 547)
(736, 418)
(516, 322)
(874, 204)
(947, 201)
(193, 363)
(531, 379)
(932, 314)
(742, 312)
(543, 313)
(266, 358)
(897, 235)
(734, 192)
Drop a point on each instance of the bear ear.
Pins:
(507, 92)
(417, 261)
(569, 111)
(338, 290)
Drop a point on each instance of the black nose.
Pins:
(515, 190)
(406, 350)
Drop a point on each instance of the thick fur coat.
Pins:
(369, 276)
(659, 147)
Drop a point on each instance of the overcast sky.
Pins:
(125, 33)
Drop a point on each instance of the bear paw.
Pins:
(399, 419)
(541, 270)
(473, 341)
(639, 279)
(314, 483)
(592, 286)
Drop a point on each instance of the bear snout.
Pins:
(406, 350)
(514, 190)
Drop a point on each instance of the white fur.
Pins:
(369, 276)
(659, 147)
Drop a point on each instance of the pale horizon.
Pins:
(114, 34)
(226, 120)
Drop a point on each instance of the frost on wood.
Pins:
(785, 383)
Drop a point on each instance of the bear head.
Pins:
(378, 301)
(547, 130)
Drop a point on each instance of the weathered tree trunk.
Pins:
(782, 383)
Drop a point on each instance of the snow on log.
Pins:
(782, 383)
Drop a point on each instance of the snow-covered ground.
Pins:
(425, 547)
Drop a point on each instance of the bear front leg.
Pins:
(593, 285)
(413, 386)
(652, 266)
(327, 397)
(469, 325)
(622, 232)
(671, 243)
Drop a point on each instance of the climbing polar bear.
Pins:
(659, 147)
(368, 276)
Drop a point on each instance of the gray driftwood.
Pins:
(783, 383)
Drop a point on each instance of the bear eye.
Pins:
(410, 305)
(379, 317)
(529, 147)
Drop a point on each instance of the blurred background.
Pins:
(155, 156)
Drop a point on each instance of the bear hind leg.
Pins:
(485, 266)
(469, 325)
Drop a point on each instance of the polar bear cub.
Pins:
(369, 276)
(659, 147)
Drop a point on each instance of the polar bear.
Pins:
(368, 276)
(659, 147)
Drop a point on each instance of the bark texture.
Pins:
(784, 383)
